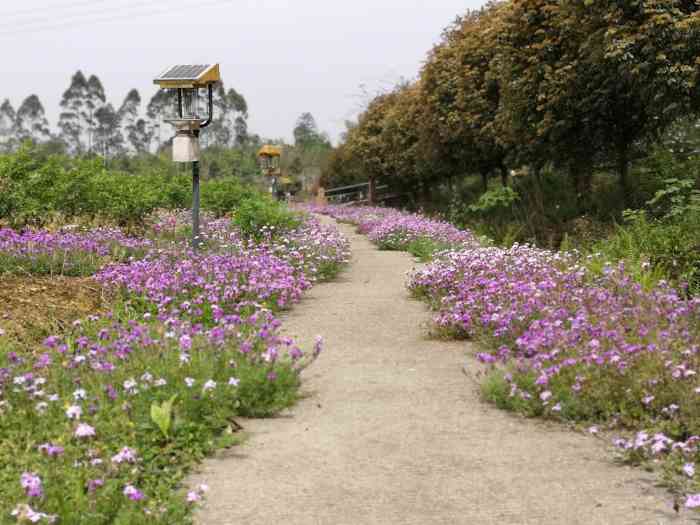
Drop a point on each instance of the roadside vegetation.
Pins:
(567, 336)
(124, 356)
(544, 122)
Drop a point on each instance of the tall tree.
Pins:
(108, 137)
(71, 119)
(94, 100)
(462, 95)
(133, 128)
(306, 131)
(32, 123)
(230, 125)
(8, 127)
(157, 109)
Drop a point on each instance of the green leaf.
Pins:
(161, 415)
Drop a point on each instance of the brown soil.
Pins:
(33, 307)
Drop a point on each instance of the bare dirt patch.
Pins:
(33, 307)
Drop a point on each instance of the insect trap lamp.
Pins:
(186, 81)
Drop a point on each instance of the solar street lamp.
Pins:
(186, 81)
(269, 161)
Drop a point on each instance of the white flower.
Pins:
(209, 385)
(74, 412)
(160, 382)
(79, 394)
(84, 430)
(189, 382)
(233, 381)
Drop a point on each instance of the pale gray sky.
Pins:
(285, 56)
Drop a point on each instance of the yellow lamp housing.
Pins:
(269, 159)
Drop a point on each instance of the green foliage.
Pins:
(36, 189)
(424, 248)
(161, 415)
(670, 249)
(259, 217)
(495, 200)
(222, 196)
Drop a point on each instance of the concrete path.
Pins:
(393, 432)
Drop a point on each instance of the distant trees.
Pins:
(306, 132)
(8, 126)
(89, 124)
(31, 121)
(535, 83)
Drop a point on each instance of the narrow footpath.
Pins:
(393, 432)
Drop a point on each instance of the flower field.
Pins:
(99, 422)
(565, 339)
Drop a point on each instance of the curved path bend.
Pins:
(392, 432)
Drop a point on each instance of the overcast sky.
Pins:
(285, 56)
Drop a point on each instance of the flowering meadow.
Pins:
(394, 230)
(569, 338)
(99, 423)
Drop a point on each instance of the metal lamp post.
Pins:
(187, 80)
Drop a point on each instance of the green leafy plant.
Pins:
(161, 415)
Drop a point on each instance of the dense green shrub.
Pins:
(36, 188)
(257, 217)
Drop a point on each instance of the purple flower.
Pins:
(51, 450)
(94, 484)
(689, 470)
(31, 483)
(133, 493)
(692, 501)
(125, 455)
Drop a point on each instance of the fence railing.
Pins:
(356, 194)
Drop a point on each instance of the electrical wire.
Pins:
(70, 5)
(12, 29)
(44, 15)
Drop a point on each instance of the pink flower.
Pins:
(192, 497)
(689, 469)
(185, 342)
(84, 430)
(31, 483)
(133, 493)
(125, 455)
(692, 501)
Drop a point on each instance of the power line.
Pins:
(76, 18)
(12, 29)
(45, 15)
(31, 10)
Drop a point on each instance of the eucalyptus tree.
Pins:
(156, 110)
(8, 126)
(229, 126)
(95, 99)
(32, 123)
(134, 130)
(108, 138)
(71, 121)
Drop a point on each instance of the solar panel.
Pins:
(189, 76)
(184, 72)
